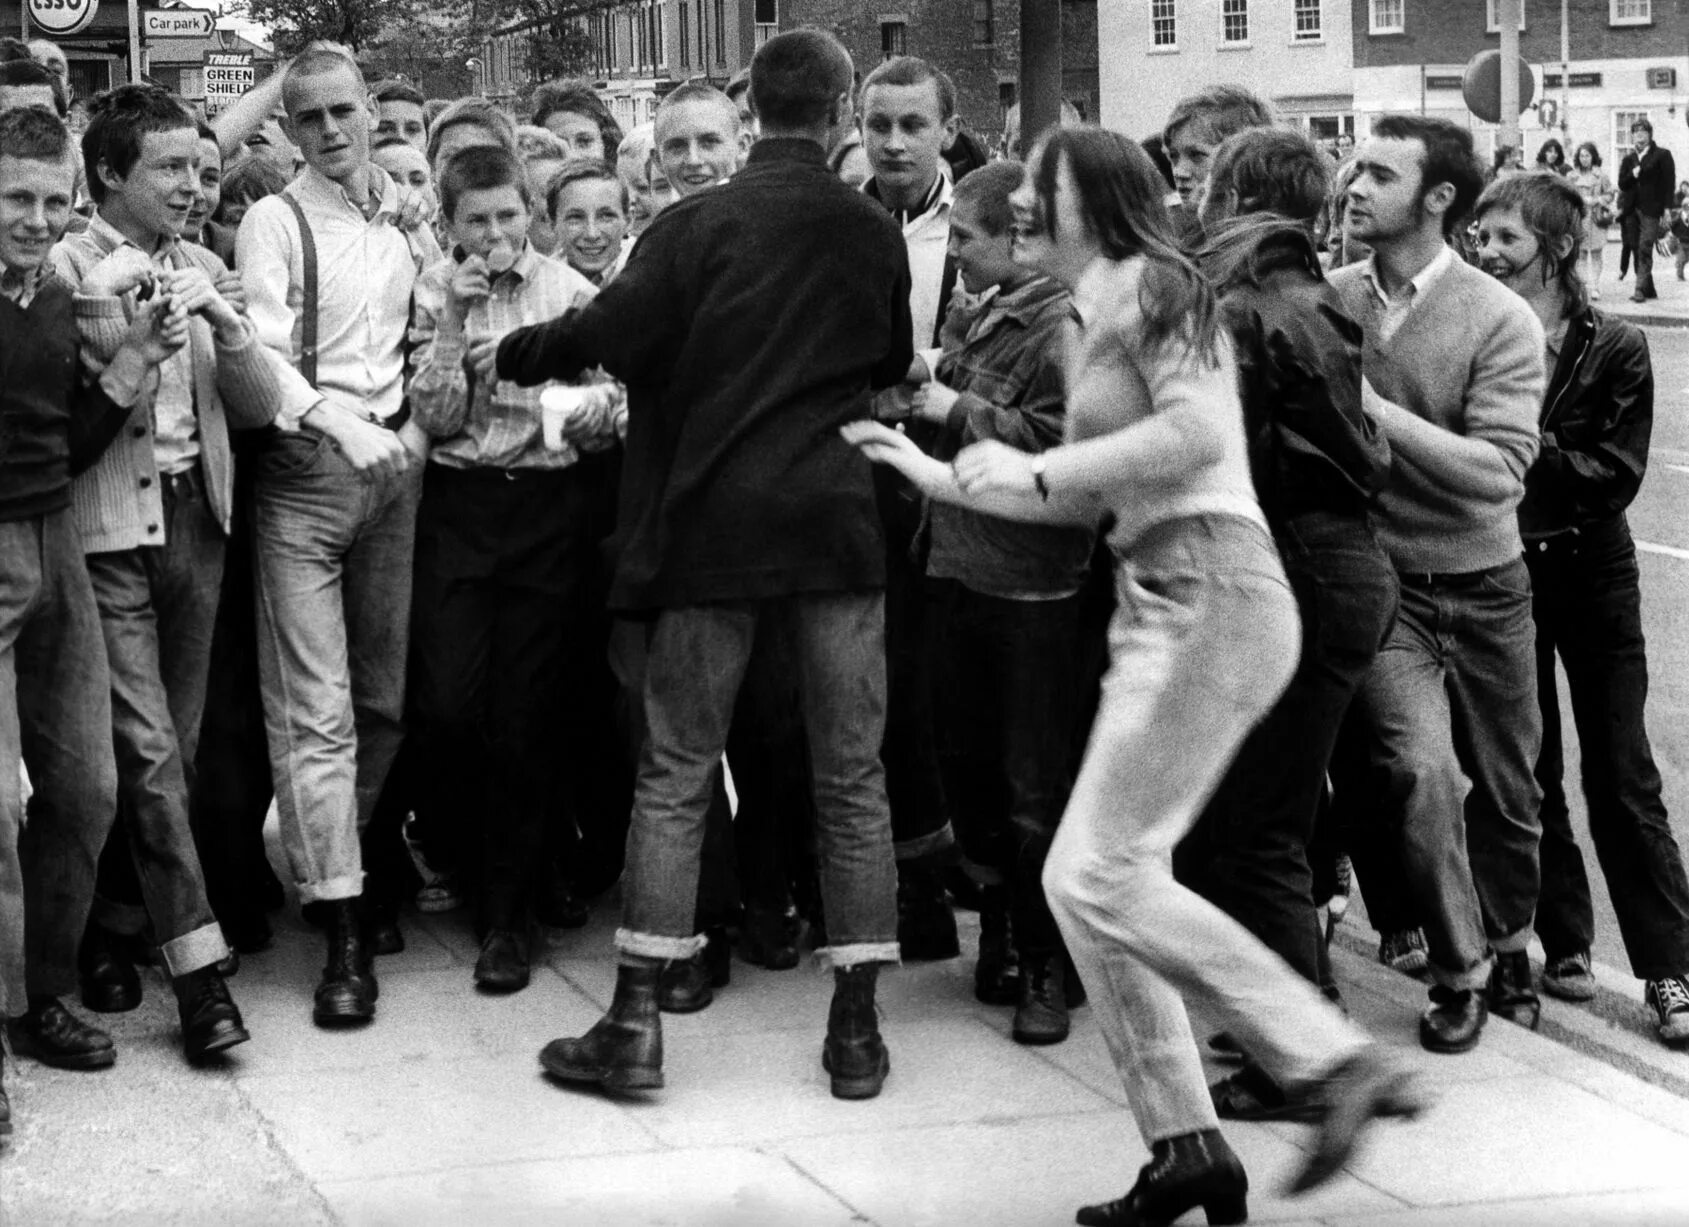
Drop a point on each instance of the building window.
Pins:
(765, 16)
(720, 32)
(893, 38)
(1492, 23)
(1234, 21)
(985, 23)
(685, 35)
(1163, 23)
(662, 35)
(1630, 12)
(1308, 27)
(1388, 17)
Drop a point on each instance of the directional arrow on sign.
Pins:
(177, 23)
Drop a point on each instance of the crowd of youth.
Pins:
(474, 490)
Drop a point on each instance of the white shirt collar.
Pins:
(1419, 282)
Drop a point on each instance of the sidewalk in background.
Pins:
(1670, 309)
(438, 1113)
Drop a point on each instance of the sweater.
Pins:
(1468, 359)
(50, 420)
(751, 322)
(119, 502)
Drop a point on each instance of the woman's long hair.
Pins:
(1121, 196)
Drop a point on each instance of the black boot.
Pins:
(54, 1036)
(769, 937)
(1041, 1014)
(503, 965)
(348, 990)
(624, 1049)
(382, 934)
(997, 974)
(926, 927)
(110, 983)
(1512, 990)
(210, 1020)
(1194, 1169)
(854, 1053)
(688, 985)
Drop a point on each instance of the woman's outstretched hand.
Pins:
(883, 445)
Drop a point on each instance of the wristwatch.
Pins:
(1038, 482)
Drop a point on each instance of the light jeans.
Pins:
(1203, 642)
(332, 567)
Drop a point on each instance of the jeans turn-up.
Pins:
(695, 662)
(332, 571)
(1204, 640)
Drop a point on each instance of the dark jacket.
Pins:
(1650, 180)
(1597, 417)
(751, 322)
(1007, 368)
(1311, 448)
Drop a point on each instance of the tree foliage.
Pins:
(353, 23)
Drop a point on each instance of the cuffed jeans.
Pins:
(158, 605)
(1005, 674)
(1249, 852)
(696, 660)
(55, 717)
(332, 570)
(1450, 715)
(1203, 642)
(1587, 601)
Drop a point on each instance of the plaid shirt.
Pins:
(490, 423)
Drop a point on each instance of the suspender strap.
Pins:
(947, 287)
(308, 307)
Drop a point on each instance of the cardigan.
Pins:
(119, 502)
(1468, 358)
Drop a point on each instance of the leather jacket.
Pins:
(1597, 417)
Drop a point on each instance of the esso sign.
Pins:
(61, 17)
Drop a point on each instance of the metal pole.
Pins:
(134, 42)
(1565, 76)
(1040, 69)
(1507, 16)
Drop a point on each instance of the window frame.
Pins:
(1170, 16)
(1298, 9)
(893, 44)
(1241, 12)
(985, 28)
(1615, 18)
(1376, 26)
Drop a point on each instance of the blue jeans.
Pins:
(1249, 852)
(55, 716)
(1587, 597)
(1453, 731)
(695, 663)
(1204, 641)
(332, 573)
(158, 605)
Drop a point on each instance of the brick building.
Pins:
(977, 42)
(1296, 54)
(1629, 58)
(641, 49)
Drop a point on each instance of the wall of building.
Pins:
(1608, 82)
(1308, 81)
(982, 57)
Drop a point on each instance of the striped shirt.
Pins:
(490, 423)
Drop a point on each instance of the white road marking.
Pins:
(1669, 551)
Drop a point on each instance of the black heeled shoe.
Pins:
(1194, 1169)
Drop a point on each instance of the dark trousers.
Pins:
(1630, 228)
(231, 788)
(1005, 676)
(1587, 602)
(1248, 853)
(55, 717)
(1649, 230)
(158, 606)
(501, 557)
(920, 823)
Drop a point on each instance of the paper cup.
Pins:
(558, 407)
